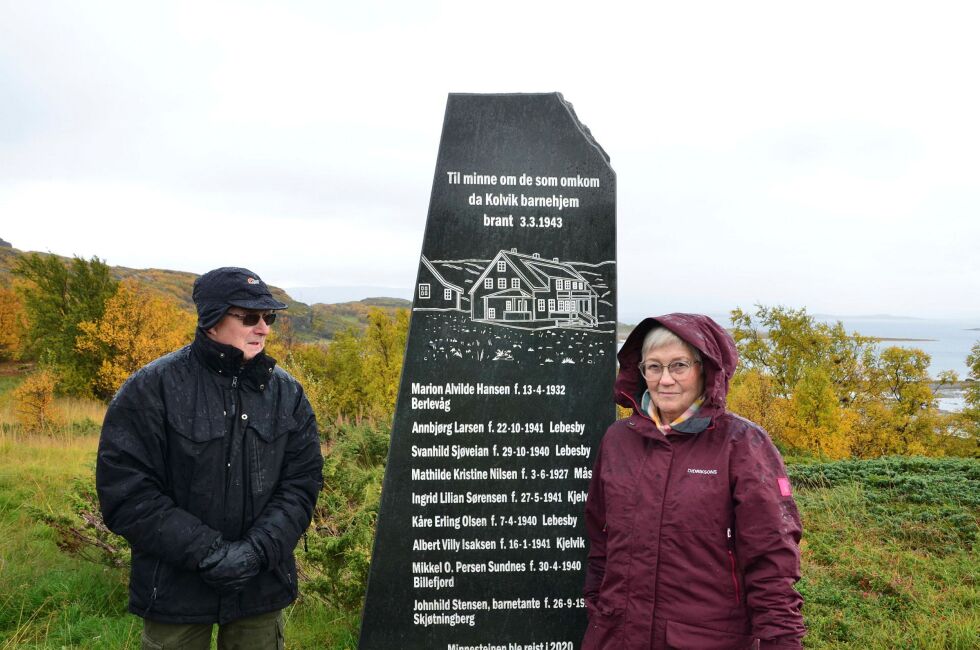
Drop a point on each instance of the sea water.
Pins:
(946, 341)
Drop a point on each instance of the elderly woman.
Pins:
(692, 525)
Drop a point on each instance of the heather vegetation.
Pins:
(890, 552)
(887, 484)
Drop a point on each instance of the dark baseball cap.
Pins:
(230, 286)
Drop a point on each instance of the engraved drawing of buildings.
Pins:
(434, 291)
(526, 290)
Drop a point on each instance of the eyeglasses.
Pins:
(251, 320)
(678, 369)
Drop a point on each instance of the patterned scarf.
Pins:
(647, 403)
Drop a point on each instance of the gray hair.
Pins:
(659, 337)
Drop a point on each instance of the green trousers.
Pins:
(262, 632)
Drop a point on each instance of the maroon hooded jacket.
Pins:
(693, 535)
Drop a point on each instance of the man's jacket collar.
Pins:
(226, 360)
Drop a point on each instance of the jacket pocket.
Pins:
(270, 428)
(154, 587)
(733, 563)
(684, 636)
(275, 586)
(195, 457)
(696, 567)
(735, 587)
(196, 428)
(266, 449)
(605, 628)
(287, 576)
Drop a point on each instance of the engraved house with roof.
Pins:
(528, 291)
(434, 291)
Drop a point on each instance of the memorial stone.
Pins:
(506, 388)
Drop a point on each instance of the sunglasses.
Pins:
(251, 320)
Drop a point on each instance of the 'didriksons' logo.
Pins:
(253, 281)
(693, 470)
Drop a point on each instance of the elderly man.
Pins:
(209, 465)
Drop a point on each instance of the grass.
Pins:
(73, 416)
(889, 553)
(74, 410)
(50, 599)
(8, 415)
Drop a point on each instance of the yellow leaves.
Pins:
(136, 328)
(752, 396)
(817, 423)
(810, 420)
(355, 377)
(384, 343)
(822, 391)
(35, 402)
(13, 324)
(873, 435)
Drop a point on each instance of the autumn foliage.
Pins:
(13, 324)
(971, 414)
(822, 392)
(136, 327)
(354, 378)
(819, 390)
(57, 297)
(35, 402)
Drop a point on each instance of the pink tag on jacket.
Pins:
(784, 487)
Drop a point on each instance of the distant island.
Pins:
(880, 339)
(865, 317)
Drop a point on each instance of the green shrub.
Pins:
(338, 553)
(888, 548)
(84, 533)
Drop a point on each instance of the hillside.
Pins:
(310, 322)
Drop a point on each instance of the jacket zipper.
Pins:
(285, 577)
(232, 430)
(731, 559)
(153, 595)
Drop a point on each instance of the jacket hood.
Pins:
(718, 358)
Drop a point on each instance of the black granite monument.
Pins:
(506, 388)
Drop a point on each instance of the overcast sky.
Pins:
(824, 155)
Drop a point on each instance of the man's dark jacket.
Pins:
(196, 446)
